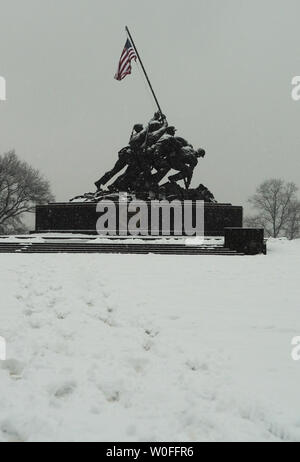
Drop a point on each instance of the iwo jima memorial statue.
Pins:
(144, 171)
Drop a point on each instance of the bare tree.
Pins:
(21, 188)
(254, 221)
(273, 202)
(292, 227)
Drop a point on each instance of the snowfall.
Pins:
(150, 348)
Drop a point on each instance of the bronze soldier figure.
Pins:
(125, 158)
(185, 161)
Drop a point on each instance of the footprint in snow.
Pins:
(65, 390)
(139, 364)
(14, 367)
(152, 333)
(195, 366)
(148, 345)
(10, 433)
(112, 395)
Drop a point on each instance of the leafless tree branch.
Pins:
(21, 188)
(273, 202)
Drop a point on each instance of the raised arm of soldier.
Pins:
(158, 117)
(138, 136)
(162, 145)
(155, 133)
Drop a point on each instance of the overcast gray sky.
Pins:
(222, 70)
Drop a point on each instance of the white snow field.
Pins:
(150, 348)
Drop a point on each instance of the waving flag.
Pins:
(127, 56)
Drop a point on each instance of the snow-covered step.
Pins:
(115, 248)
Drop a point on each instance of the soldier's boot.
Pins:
(177, 177)
(157, 177)
(189, 177)
(98, 185)
(104, 179)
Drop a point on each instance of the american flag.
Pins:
(127, 56)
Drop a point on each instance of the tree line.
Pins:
(21, 188)
(276, 209)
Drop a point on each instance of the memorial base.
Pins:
(81, 218)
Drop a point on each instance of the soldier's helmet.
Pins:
(154, 126)
(138, 128)
(171, 131)
(200, 153)
(182, 141)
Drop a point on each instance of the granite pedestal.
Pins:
(81, 218)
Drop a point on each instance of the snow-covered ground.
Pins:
(150, 348)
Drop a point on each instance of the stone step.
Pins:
(107, 246)
(163, 249)
(122, 253)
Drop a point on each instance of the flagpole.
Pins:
(144, 70)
